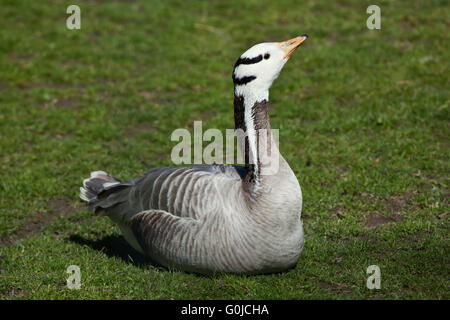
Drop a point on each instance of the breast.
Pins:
(263, 247)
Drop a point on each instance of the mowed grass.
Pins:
(363, 118)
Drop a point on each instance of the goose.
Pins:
(217, 218)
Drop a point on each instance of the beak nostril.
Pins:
(289, 46)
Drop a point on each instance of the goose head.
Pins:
(258, 67)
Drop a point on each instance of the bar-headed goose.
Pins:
(217, 218)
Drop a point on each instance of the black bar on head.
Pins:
(248, 60)
(243, 80)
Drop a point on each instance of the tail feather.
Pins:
(97, 183)
(86, 195)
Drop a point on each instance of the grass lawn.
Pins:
(363, 118)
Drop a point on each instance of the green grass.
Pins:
(363, 118)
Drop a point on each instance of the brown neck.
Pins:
(260, 152)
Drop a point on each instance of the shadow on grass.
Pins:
(116, 246)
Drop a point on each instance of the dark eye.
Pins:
(266, 56)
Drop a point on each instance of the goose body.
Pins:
(217, 218)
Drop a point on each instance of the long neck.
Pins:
(260, 152)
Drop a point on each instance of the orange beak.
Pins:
(289, 46)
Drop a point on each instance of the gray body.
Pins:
(201, 219)
(213, 218)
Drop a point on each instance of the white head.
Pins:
(259, 66)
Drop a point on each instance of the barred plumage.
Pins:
(216, 218)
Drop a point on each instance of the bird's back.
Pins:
(192, 191)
